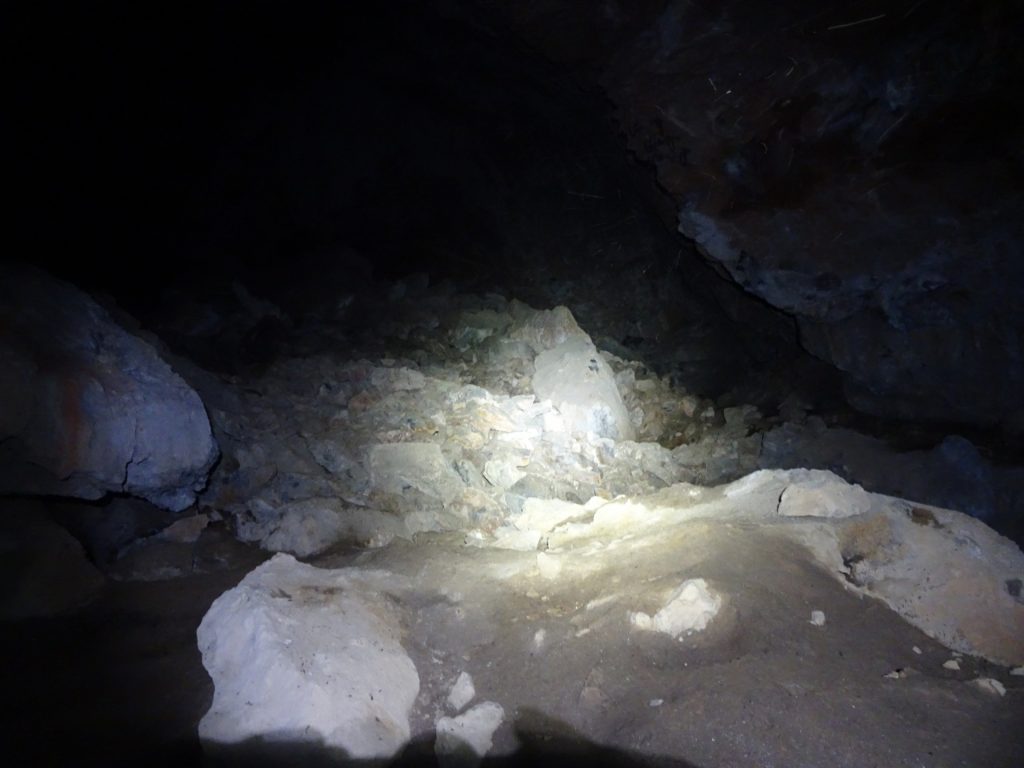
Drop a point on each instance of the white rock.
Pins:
(306, 527)
(655, 702)
(395, 467)
(300, 653)
(464, 740)
(550, 566)
(502, 473)
(952, 664)
(575, 377)
(990, 685)
(818, 618)
(690, 609)
(820, 493)
(916, 650)
(462, 692)
(399, 379)
(546, 514)
(508, 537)
(1017, 671)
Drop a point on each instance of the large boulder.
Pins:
(300, 654)
(86, 408)
(575, 377)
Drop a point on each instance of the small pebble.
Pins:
(655, 702)
(1017, 671)
(818, 618)
(896, 674)
(916, 650)
(952, 664)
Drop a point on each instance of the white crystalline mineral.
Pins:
(690, 609)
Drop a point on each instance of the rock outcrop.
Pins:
(86, 408)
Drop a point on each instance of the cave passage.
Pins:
(431, 383)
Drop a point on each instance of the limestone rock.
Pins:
(87, 408)
(575, 377)
(302, 654)
(396, 468)
(943, 571)
(819, 493)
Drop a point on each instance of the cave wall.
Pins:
(856, 166)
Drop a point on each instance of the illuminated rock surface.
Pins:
(723, 577)
(299, 654)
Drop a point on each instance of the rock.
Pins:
(818, 493)
(187, 530)
(818, 618)
(951, 664)
(86, 408)
(503, 474)
(990, 685)
(302, 654)
(109, 527)
(943, 571)
(45, 571)
(475, 326)
(550, 566)
(690, 609)
(306, 528)
(464, 740)
(543, 329)
(508, 537)
(462, 692)
(575, 377)
(397, 379)
(546, 514)
(398, 467)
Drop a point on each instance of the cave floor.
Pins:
(761, 686)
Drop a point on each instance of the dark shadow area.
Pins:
(543, 741)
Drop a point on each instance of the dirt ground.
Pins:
(122, 682)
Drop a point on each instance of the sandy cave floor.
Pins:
(761, 686)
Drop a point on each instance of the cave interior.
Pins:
(648, 373)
